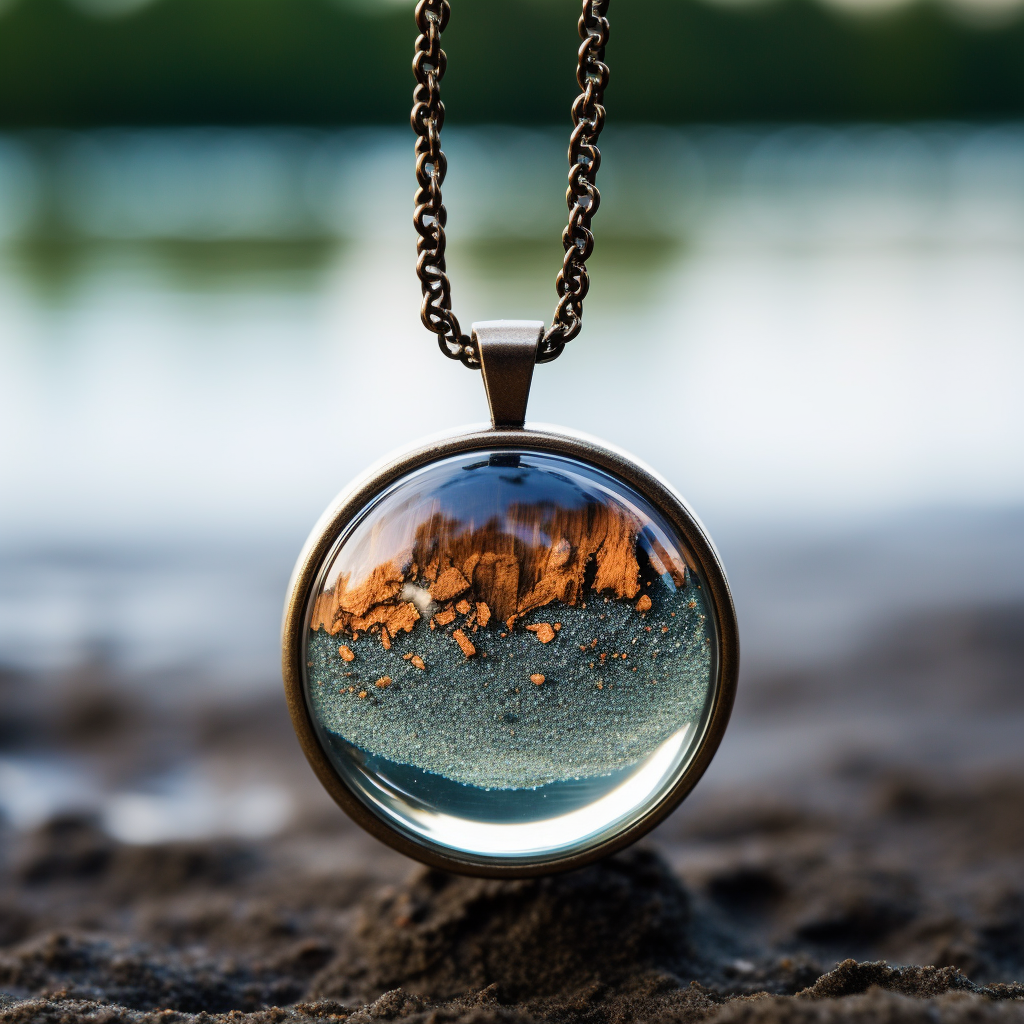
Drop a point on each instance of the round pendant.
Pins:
(509, 651)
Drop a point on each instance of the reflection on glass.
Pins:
(510, 655)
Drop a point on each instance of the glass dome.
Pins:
(510, 656)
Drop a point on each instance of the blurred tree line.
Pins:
(329, 62)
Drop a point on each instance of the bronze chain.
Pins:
(582, 196)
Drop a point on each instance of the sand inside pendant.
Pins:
(560, 644)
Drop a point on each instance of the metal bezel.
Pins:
(364, 489)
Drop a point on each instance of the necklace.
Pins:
(509, 651)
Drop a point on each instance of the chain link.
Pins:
(582, 196)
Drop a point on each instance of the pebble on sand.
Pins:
(464, 643)
(543, 631)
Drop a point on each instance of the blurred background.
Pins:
(807, 312)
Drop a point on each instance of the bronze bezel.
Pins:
(354, 499)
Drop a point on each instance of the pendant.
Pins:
(509, 651)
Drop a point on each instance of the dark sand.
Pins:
(883, 883)
(481, 722)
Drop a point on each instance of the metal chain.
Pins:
(582, 196)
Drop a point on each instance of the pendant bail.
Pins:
(508, 354)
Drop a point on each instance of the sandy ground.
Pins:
(855, 854)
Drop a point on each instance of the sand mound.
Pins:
(442, 936)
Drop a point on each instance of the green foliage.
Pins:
(322, 62)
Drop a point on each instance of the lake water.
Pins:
(206, 333)
(817, 335)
